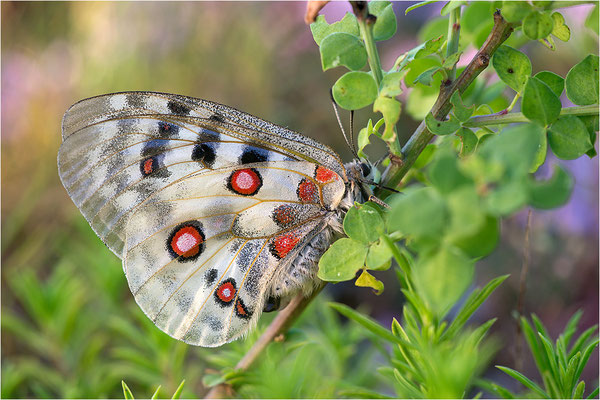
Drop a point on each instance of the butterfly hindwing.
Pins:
(197, 241)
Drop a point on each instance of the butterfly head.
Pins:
(361, 175)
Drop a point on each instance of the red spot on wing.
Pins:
(324, 175)
(284, 215)
(283, 244)
(186, 241)
(245, 181)
(241, 310)
(308, 192)
(226, 291)
(148, 166)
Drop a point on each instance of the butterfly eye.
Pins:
(366, 169)
(271, 304)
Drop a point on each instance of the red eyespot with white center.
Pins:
(307, 191)
(246, 182)
(324, 175)
(225, 292)
(186, 241)
(283, 244)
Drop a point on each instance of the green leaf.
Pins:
(461, 112)
(126, 391)
(426, 77)
(367, 280)
(385, 26)
(210, 380)
(515, 11)
(450, 61)
(537, 25)
(442, 128)
(354, 90)
(559, 28)
(390, 109)
(341, 261)
(379, 256)
(451, 5)
(363, 223)
(155, 395)
(592, 20)
(482, 242)
(342, 49)
(430, 47)
(569, 138)
(178, 391)
(466, 214)
(369, 324)
(419, 212)
(419, 4)
(468, 141)
(578, 394)
(594, 394)
(582, 82)
(552, 193)
(507, 198)
(540, 104)
(390, 85)
(475, 300)
(321, 29)
(555, 82)
(540, 155)
(524, 380)
(444, 173)
(441, 278)
(512, 66)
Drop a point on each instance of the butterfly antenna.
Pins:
(379, 185)
(352, 132)
(337, 115)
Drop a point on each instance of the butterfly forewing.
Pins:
(209, 207)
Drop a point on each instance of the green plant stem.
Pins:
(421, 136)
(513, 103)
(366, 31)
(453, 35)
(498, 119)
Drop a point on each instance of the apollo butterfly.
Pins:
(217, 215)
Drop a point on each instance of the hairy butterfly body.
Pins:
(215, 213)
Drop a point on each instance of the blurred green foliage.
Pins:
(69, 325)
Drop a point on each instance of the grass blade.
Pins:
(126, 391)
(178, 391)
(369, 324)
(524, 380)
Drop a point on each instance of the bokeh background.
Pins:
(70, 327)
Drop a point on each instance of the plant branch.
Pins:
(282, 322)
(501, 119)
(421, 136)
(365, 24)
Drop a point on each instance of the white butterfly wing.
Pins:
(120, 148)
(204, 203)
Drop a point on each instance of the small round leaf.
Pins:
(540, 104)
(555, 82)
(363, 223)
(512, 66)
(569, 138)
(355, 90)
(582, 82)
(537, 25)
(552, 193)
(342, 49)
(341, 261)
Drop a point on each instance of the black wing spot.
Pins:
(166, 129)
(205, 153)
(253, 154)
(217, 117)
(178, 108)
(211, 276)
